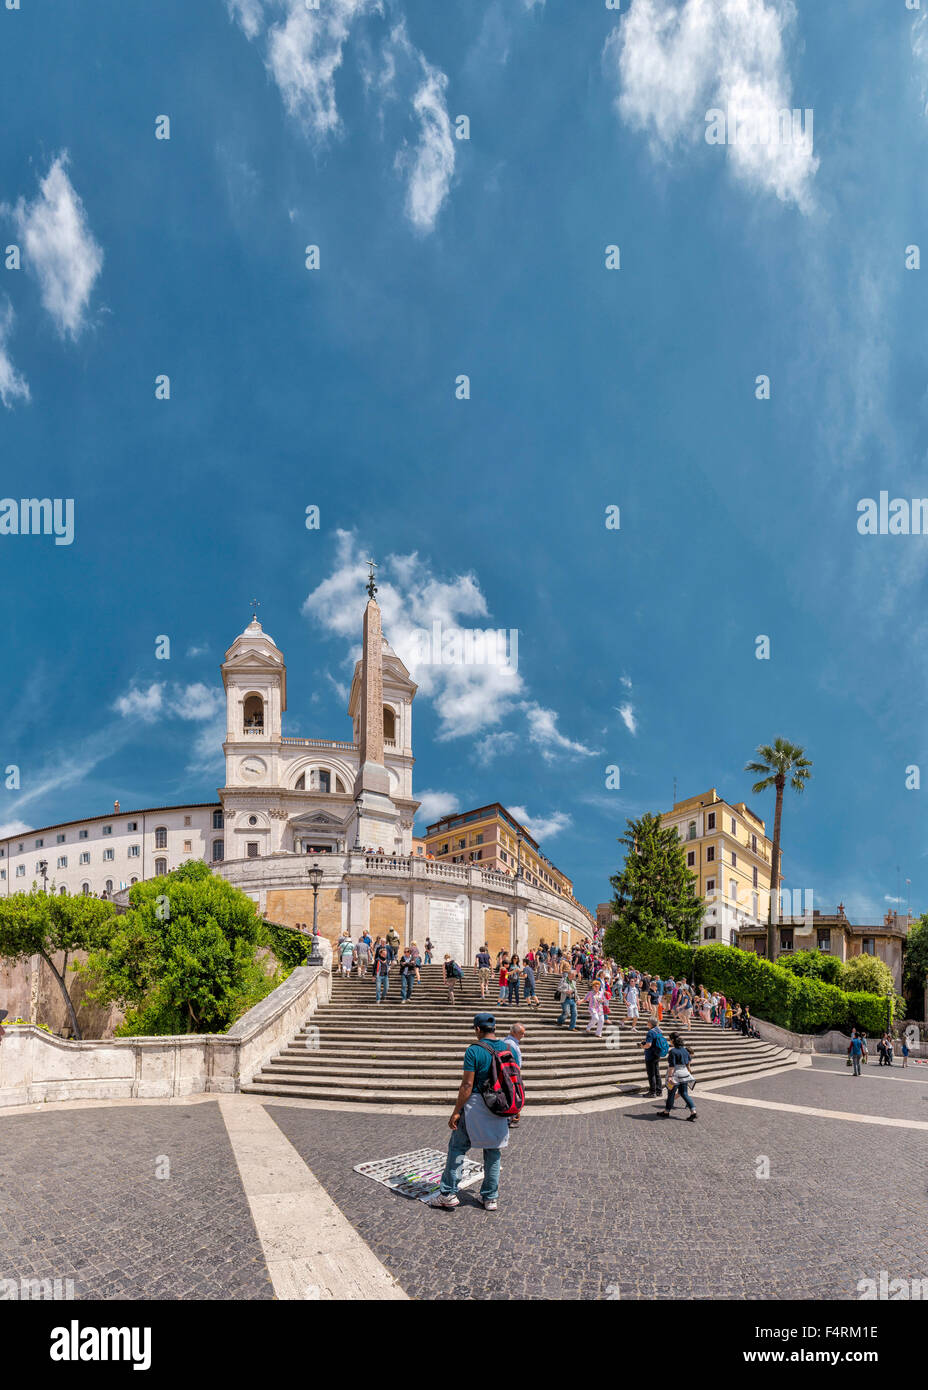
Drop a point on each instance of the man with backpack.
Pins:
(489, 1100)
(452, 975)
(655, 1047)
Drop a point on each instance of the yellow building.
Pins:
(494, 839)
(728, 851)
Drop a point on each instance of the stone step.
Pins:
(426, 1093)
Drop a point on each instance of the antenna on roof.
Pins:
(674, 791)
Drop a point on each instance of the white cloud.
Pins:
(304, 51)
(541, 827)
(206, 754)
(340, 688)
(196, 701)
(145, 705)
(627, 714)
(13, 827)
(674, 60)
(466, 698)
(60, 248)
(543, 731)
(490, 745)
(434, 805)
(197, 649)
(432, 166)
(888, 899)
(13, 387)
(626, 682)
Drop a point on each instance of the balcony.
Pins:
(327, 743)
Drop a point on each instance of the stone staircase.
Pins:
(354, 1050)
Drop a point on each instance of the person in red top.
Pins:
(503, 980)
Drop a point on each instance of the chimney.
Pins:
(116, 808)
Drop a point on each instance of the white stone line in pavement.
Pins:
(312, 1251)
(817, 1113)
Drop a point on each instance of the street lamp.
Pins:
(519, 848)
(315, 878)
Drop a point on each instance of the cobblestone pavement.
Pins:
(79, 1200)
(830, 1085)
(622, 1205)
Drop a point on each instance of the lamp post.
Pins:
(519, 847)
(315, 878)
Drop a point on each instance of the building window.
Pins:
(61, 839)
(754, 877)
(733, 889)
(325, 780)
(710, 886)
(81, 835)
(754, 906)
(786, 940)
(389, 723)
(300, 784)
(710, 820)
(218, 851)
(186, 820)
(824, 939)
(133, 851)
(132, 826)
(39, 844)
(133, 880)
(709, 933)
(710, 854)
(734, 826)
(734, 860)
(251, 849)
(62, 861)
(868, 946)
(85, 889)
(20, 870)
(217, 820)
(252, 820)
(107, 830)
(254, 712)
(161, 867)
(754, 843)
(85, 856)
(109, 885)
(187, 846)
(691, 832)
(2, 873)
(109, 853)
(161, 837)
(690, 859)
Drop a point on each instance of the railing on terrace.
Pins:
(321, 743)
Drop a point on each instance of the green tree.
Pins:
(182, 958)
(783, 762)
(44, 924)
(655, 892)
(915, 966)
(818, 964)
(868, 974)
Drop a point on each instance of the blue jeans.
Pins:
(856, 1062)
(406, 984)
(458, 1145)
(382, 983)
(570, 1004)
(683, 1090)
(514, 991)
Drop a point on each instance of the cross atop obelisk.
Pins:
(371, 586)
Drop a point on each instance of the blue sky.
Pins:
(589, 388)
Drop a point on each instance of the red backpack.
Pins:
(503, 1092)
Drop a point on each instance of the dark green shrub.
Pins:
(654, 954)
(818, 964)
(869, 1012)
(817, 1005)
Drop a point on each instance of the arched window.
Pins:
(109, 885)
(133, 880)
(218, 851)
(161, 837)
(85, 889)
(62, 892)
(161, 867)
(254, 712)
(339, 785)
(389, 723)
(300, 784)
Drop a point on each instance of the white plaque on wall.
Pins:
(447, 928)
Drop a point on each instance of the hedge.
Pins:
(800, 1003)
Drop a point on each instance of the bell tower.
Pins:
(255, 679)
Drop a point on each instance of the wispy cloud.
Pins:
(434, 805)
(59, 248)
(544, 733)
(13, 386)
(674, 60)
(145, 705)
(542, 827)
(194, 702)
(626, 713)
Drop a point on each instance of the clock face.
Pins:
(252, 767)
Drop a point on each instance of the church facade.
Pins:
(293, 804)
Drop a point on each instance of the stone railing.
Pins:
(39, 1066)
(322, 743)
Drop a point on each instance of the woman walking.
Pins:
(595, 1001)
(679, 1078)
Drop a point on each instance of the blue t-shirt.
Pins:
(857, 1047)
(529, 976)
(651, 1037)
(477, 1060)
(679, 1057)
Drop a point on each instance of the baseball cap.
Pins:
(484, 1021)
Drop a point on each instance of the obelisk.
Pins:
(378, 816)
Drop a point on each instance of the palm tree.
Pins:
(783, 762)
